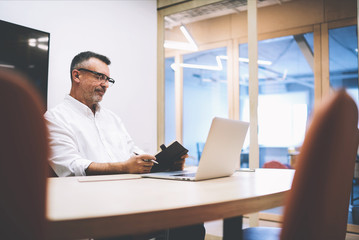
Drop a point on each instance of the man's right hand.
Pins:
(137, 163)
(134, 164)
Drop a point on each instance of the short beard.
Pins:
(96, 98)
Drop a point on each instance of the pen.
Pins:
(147, 160)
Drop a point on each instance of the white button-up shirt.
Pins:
(78, 137)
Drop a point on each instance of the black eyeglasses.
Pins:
(100, 76)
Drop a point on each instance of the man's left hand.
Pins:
(179, 164)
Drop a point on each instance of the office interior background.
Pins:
(306, 49)
(125, 31)
(287, 66)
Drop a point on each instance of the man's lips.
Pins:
(100, 91)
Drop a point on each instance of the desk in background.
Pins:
(124, 207)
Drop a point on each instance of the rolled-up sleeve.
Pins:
(79, 137)
(65, 158)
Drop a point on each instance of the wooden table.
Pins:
(134, 206)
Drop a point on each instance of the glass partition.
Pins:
(285, 79)
(170, 108)
(285, 96)
(343, 70)
(204, 96)
(343, 59)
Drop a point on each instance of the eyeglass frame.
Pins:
(111, 81)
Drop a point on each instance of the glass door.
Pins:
(285, 96)
(343, 72)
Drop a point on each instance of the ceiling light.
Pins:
(43, 46)
(218, 67)
(32, 42)
(43, 39)
(180, 46)
(188, 36)
(190, 45)
(261, 62)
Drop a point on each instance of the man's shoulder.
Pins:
(60, 112)
(58, 108)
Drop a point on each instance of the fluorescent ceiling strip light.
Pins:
(190, 45)
(32, 42)
(180, 45)
(261, 62)
(188, 36)
(43, 46)
(43, 39)
(219, 66)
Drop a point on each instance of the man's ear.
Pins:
(75, 76)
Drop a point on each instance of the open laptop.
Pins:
(220, 155)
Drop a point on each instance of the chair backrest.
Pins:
(275, 164)
(317, 205)
(23, 159)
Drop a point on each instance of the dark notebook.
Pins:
(168, 156)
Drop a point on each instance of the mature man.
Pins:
(87, 139)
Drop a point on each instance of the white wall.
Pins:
(123, 30)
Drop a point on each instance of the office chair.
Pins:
(275, 164)
(23, 159)
(317, 205)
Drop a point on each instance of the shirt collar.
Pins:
(80, 106)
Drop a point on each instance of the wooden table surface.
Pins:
(83, 207)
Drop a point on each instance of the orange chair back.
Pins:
(317, 206)
(23, 159)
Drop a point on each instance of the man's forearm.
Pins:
(106, 168)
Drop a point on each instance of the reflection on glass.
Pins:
(343, 59)
(170, 125)
(285, 99)
(25, 50)
(204, 97)
(343, 68)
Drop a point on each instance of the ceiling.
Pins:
(214, 10)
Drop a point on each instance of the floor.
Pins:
(214, 229)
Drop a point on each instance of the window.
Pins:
(343, 59)
(170, 125)
(286, 94)
(204, 96)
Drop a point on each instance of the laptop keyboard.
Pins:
(185, 175)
